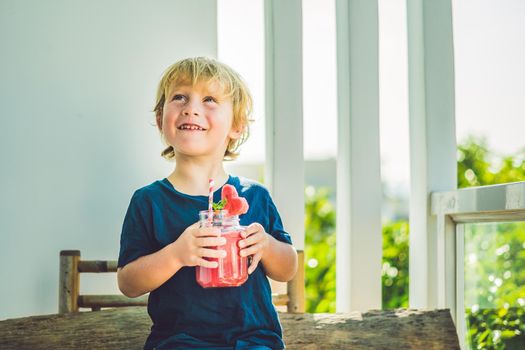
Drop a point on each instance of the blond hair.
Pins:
(202, 69)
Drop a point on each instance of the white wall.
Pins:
(77, 85)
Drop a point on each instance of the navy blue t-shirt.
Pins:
(183, 313)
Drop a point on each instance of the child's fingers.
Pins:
(210, 241)
(251, 250)
(207, 231)
(249, 241)
(211, 253)
(206, 263)
(254, 228)
(195, 225)
(255, 262)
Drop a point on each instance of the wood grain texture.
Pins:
(100, 301)
(97, 266)
(295, 287)
(128, 327)
(69, 281)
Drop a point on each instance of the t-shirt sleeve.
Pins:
(136, 239)
(275, 223)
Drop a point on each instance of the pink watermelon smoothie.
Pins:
(232, 270)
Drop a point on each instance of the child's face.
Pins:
(197, 120)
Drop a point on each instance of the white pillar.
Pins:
(284, 170)
(359, 240)
(432, 140)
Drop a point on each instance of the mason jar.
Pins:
(232, 270)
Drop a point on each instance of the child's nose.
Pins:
(191, 109)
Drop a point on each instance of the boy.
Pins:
(202, 113)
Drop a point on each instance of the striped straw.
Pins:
(210, 201)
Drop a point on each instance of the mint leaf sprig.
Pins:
(219, 205)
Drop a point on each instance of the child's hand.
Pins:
(192, 246)
(255, 242)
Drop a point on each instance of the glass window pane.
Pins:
(494, 289)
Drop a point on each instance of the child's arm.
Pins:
(278, 258)
(149, 272)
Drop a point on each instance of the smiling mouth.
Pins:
(190, 127)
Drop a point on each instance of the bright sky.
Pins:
(489, 41)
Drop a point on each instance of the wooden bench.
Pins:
(70, 300)
(127, 328)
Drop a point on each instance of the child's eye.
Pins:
(178, 97)
(210, 99)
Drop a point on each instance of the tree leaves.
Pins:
(497, 323)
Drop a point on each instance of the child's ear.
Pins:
(236, 132)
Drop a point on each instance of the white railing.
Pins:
(452, 210)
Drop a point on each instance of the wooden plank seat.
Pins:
(70, 299)
(128, 327)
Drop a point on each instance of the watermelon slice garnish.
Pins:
(231, 201)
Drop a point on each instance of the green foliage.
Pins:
(496, 329)
(494, 281)
(497, 319)
(320, 256)
(319, 251)
(220, 204)
(494, 255)
(477, 166)
(394, 273)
